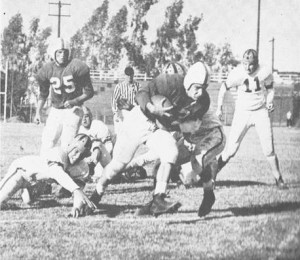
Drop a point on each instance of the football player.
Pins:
(139, 127)
(252, 109)
(61, 165)
(174, 68)
(102, 146)
(200, 138)
(69, 84)
(203, 137)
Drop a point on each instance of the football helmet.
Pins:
(251, 56)
(174, 68)
(250, 61)
(56, 44)
(198, 73)
(81, 142)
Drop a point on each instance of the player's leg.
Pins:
(52, 130)
(239, 127)
(11, 183)
(135, 129)
(265, 132)
(208, 146)
(71, 123)
(164, 145)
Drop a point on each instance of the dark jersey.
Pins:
(64, 83)
(170, 86)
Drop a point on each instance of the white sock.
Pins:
(161, 187)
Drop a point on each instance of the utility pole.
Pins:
(258, 28)
(273, 40)
(59, 15)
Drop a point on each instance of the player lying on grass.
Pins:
(252, 109)
(61, 165)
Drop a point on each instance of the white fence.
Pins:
(113, 75)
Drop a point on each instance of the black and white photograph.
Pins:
(150, 129)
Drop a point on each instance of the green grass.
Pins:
(251, 219)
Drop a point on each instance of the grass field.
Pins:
(251, 219)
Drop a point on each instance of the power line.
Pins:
(59, 15)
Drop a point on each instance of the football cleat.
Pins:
(280, 184)
(132, 175)
(95, 198)
(207, 203)
(158, 206)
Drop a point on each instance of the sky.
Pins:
(224, 21)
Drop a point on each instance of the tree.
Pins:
(115, 39)
(25, 54)
(89, 42)
(138, 26)
(14, 51)
(226, 57)
(164, 48)
(187, 41)
(210, 53)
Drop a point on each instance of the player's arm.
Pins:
(143, 98)
(44, 86)
(40, 105)
(85, 82)
(57, 173)
(270, 93)
(221, 96)
(81, 203)
(115, 98)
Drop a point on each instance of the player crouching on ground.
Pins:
(60, 165)
(102, 145)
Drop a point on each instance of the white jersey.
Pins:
(98, 132)
(38, 168)
(250, 88)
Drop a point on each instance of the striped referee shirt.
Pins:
(125, 90)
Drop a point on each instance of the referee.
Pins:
(123, 97)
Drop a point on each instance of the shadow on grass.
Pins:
(239, 183)
(40, 204)
(112, 211)
(265, 209)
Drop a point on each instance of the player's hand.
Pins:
(37, 118)
(82, 206)
(70, 103)
(123, 103)
(270, 107)
(161, 110)
(219, 113)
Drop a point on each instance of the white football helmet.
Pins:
(81, 142)
(174, 68)
(56, 44)
(198, 73)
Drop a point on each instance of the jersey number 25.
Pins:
(67, 84)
